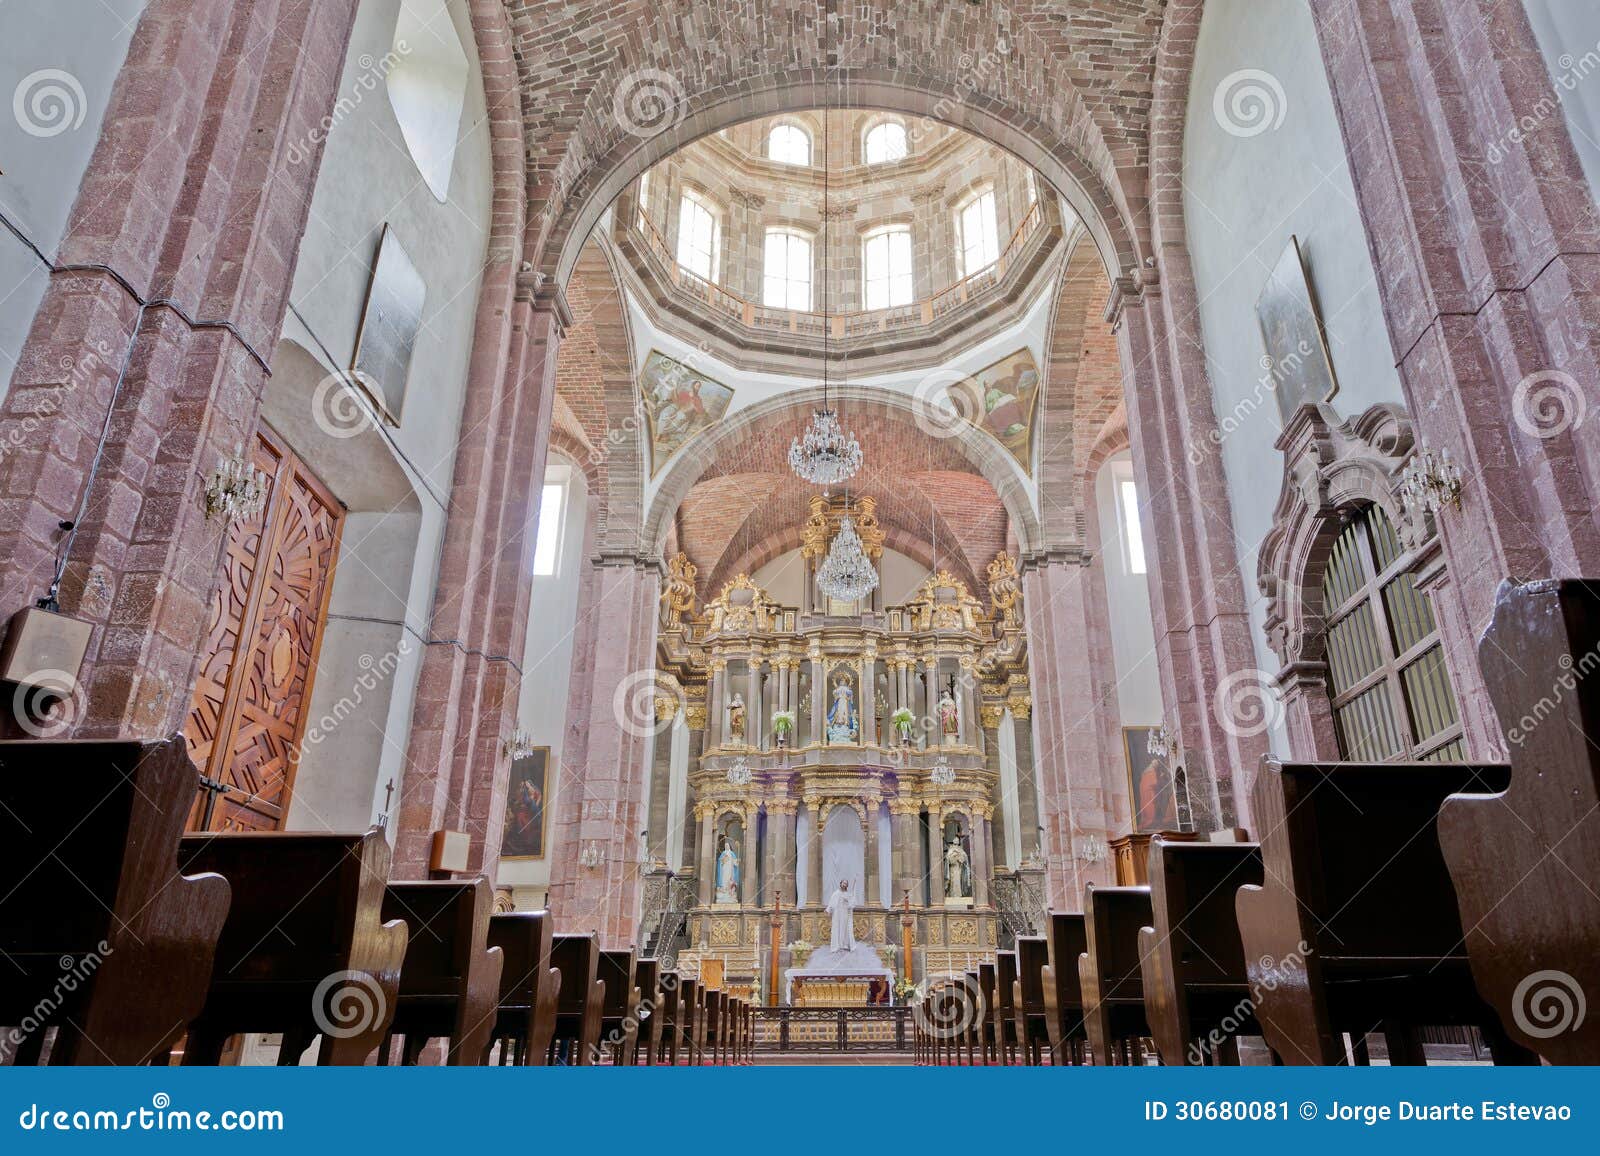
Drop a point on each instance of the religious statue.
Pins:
(842, 907)
(842, 714)
(736, 718)
(949, 716)
(678, 597)
(727, 873)
(1005, 589)
(955, 871)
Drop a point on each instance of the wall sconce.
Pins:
(1162, 744)
(235, 491)
(739, 774)
(590, 855)
(943, 774)
(519, 745)
(1088, 848)
(1431, 481)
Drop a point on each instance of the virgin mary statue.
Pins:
(842, 714)
(844, 927)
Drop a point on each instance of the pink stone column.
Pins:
(146, 359)
(1483, 235)
(605, 793)
(1074, 771)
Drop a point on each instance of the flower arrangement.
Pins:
(903, 720)
(800, 951)
(906, 992)
(783, 724)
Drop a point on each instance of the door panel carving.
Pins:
(248, 713)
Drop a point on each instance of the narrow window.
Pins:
(884, 143)
(789, 144)
(886, 268)
(1132, 533)
(699, 237)
(786, 270)
(976, 234)
(547, 545)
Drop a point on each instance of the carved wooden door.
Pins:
(248, 713)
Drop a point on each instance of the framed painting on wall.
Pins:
(390, 322)
(999, 399)
(1298, 368)
(523, 837)
(1150, 787)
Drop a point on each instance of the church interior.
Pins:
(939, 532)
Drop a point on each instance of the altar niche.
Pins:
(955, 861)
(729, 866)
(843, 710)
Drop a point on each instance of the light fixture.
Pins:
(1162, 744)
(590, 855)
(846, 574)
(943, 774)
(519, 745)
(1431, 481)
(235, 491)
(1089, 848)
(739, 774)
(825, 455)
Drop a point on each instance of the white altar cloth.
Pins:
(824, 961)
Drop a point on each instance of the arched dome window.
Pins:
(977, 237)
(786, 270)
(699, 236)
(886, 267)
(884, 143)
(789, 144)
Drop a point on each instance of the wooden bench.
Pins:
(305, 950)
(715, 1027)
(1005, 1006)
(1526, 861)
(576, 1040)
(88, 851)
(988, 1041)
(1027, 998)
(1197, 994)
(1355, 927)
(674, 1031)
(619, 1017)
(450, 984)
(1109, 972)
(1067, 940)
(647, 978)
(529, 987)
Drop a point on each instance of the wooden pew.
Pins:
(1063, 991)
(1356, 905)
(1005, 1006)
(305, 950)
(647, 978)
(1526, 862)
(716, 1027)
(691, 1021)
(1027, 998)
(1197, 993)
(529, 987)
(450, 984)
(673, 1032)
(988, 1040)
(1109, 971)
(619, 1018)
(576, 1040)
(88, 851)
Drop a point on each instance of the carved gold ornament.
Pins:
(677, 599)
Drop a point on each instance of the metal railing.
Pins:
(867, 1030)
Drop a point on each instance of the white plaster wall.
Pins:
(388, 563)
(1568, 32)
(43, 168)
(1133, 644)
(1244, 196)
(547, 665)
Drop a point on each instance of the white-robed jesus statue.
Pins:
(844, 926)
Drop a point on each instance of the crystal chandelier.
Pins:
(826, 455)
(943, 774)
(236, 491)
(739, 774)
(846, 574)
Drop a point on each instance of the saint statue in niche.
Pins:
(949, 716)
(727, 873)
(841, 906)
(957, 877)
(736, 718)
(842, 714)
